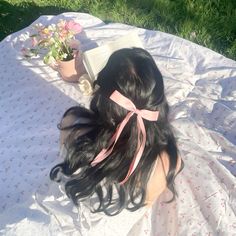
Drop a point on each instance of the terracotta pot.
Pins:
(71, 70)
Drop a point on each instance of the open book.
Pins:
(95, 59)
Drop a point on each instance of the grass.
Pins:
(211, 23)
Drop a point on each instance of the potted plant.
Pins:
(58, 46)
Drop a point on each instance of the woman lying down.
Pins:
(122, 172)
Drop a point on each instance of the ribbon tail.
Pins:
(139, 151)
(106, 152)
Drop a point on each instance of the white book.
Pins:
(95, 59)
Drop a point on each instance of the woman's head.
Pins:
(134, 74)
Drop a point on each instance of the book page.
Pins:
(95, 59)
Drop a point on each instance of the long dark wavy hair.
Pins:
(134, 74)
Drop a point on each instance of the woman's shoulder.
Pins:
(157, 182)
(165, 162)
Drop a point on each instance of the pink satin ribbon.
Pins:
(146, 114)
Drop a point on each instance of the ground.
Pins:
(210, 23)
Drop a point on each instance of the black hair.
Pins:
(134, 74)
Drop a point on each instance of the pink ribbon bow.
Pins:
(146, 114)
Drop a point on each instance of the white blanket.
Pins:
(201, 89)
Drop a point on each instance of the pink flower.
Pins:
(73, 26)
(61, 24)
(34, 41)
(55, 41)
(63, 34)
(25, 52)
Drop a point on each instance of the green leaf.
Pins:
(33, 35)
(46, 59)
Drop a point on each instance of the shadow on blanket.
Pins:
(31, 107)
